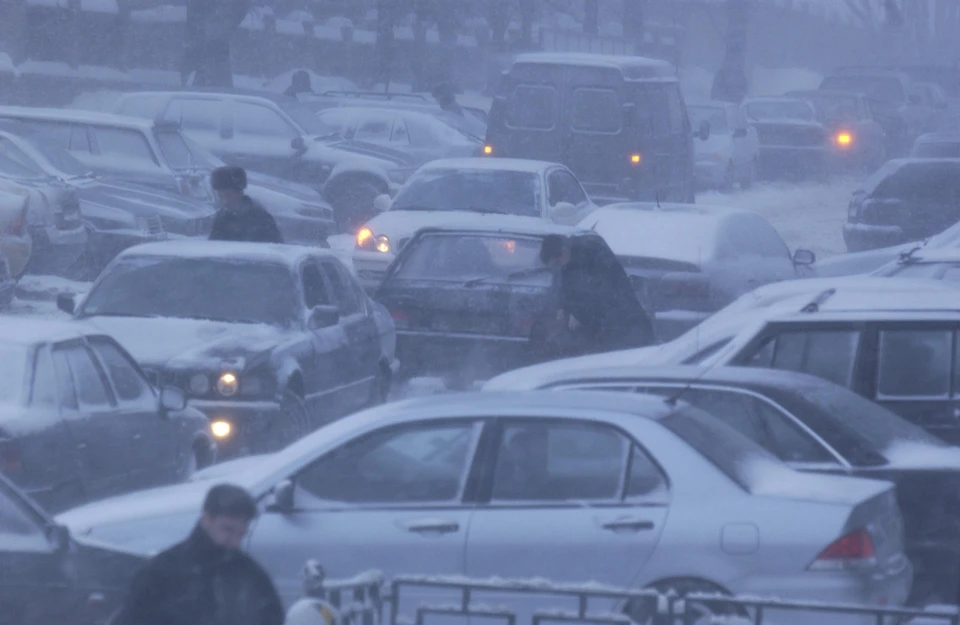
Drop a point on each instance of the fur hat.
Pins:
(229, 177)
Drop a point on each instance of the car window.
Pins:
(532, 107)
(559, 462)
(175, 150)
(65, 388)
(645, 480)
(66, 136)
(400, 135)
(91, 391)
(914, 363)
(752, 236)
(374, 130)
(651, 115)
(596, 110)
(418, 463)
(15, 524)
(706, 352)
(315, 292)
(562, 186)
(258, 120)
(193, 114)
(129, 145)
(130, 386)
(44, 389)
(828, 354)
(345, 296)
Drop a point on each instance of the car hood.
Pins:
(855, 263)
(142, 201)
(190, 343)
(535, 376)
(371, 150)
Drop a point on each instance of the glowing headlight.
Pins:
(221, 429)
(199, 384)
(383, 243)
(228, 384)
(365, 239)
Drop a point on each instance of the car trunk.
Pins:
(663, 284)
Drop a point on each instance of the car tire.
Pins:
(352, 200)
(290, 425)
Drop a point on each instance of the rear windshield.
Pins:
(940, 149)
(479, 190)
(460, 257)
(885, 88)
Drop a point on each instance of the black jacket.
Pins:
(198, 583)
(595, 289)
(247, 222)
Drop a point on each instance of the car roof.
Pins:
(76, 116)
(891, 303)
(493, 223)
(20, 331)
(933, 255)
(278, 98)
(254, 252)
(491, 164)
(632, 67)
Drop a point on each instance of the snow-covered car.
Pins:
(793, 138)
(276, 135)
(929, 264)
(815, 426)
(318, 82)
(610, 488)
(905, 200)
(16, 246)
(731, 153)
(688, 261)
(444, 190)
(857, 139)
(269, 341)
(81, 422)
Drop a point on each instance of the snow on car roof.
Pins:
(254, 252)
(934, 255)
(513, 224)
(490, 164)
(76, 116)
(23, 331)
(633, 67)
(884, 303)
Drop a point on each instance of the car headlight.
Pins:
(228, 384)
(199, 384)
(383, 243)
(365, 239)
(221, 428)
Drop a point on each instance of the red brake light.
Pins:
(404, 320)
(854, 548)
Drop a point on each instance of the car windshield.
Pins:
(713, 115)
(233, 290)
(918, 270)
(887, 89)
(183, 153)
(13, 373)
(937, 149)
(62, 160)
(836, 108)
(779, 109)
(458, 257)
(511, 192)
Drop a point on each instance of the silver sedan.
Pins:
(633, 492)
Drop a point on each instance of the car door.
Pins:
(261, 139)
(567, 500)
(390, 498)
(563, 186)
(363, 336)
(154, 441)
(525, 119)
(596, 147)
(102, 439)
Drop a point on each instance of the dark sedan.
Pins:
(79, 421)
(905, 200)
(794, 141)
(856, 138)
(270, 341)
(816, 426)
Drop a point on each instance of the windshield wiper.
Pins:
(523, 273)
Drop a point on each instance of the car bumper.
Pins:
(860, 237)
(370, 267)
(429, 354)
(56, 249)
(248, 420)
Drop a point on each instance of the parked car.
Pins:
(905, 200)
(569, 486)
(445, 190)
(319, 82)
(276, 135)
(269, 341)
(81, 422)
(467, 297)
(929, 264)
(857, 139)
(731, 153)
(53, 221)
(618, 122)
(815, 426)
(52, 577)
(686, 262)
(16, 246)
(114, 214)
(794, 140)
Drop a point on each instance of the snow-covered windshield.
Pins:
(771, 110)
(459, 257)
(884, 88)
(13, 373)
(713, 115)
(231, 290)
(500, 191)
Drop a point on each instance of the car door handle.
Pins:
(628, 525)
(432, 526)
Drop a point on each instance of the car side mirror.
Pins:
(299, 145)
(804, 257)
(740, 133)
(172, 399)
(67, 303)
(323, 317)
(59, 537)
(704, 132)
(563, 212)
(382, 202)
(282, 498)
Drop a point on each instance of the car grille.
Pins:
(786, 136)
(154, 226)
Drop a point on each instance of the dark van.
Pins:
(618, 122)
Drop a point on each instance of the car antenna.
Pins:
(814, 304)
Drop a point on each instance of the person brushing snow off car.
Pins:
(239, 217)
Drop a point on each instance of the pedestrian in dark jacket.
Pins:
(299, 83)
(206, 579)
(446, 96)
(595, 296)
(239, 217)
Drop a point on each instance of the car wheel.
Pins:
(750, 177)
(290, 425)
(352, 199)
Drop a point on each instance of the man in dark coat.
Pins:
(299, 83)
(239, 218)
(206, 579)
(596, 299)
(446, 96)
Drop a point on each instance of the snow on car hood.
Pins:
(535, 376)
(855, 263)
(176, 343)
(913, 455)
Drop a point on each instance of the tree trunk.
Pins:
(730, 82)
(633, 21)
(591, 17)
(498, 16)
(528, 10)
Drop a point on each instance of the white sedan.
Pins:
(592, 486)
(731, 153)
(442, 190)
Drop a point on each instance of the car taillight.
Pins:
(403, 320)
(17, 226)
(9, 457)
(684, 285)
(856, 548)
